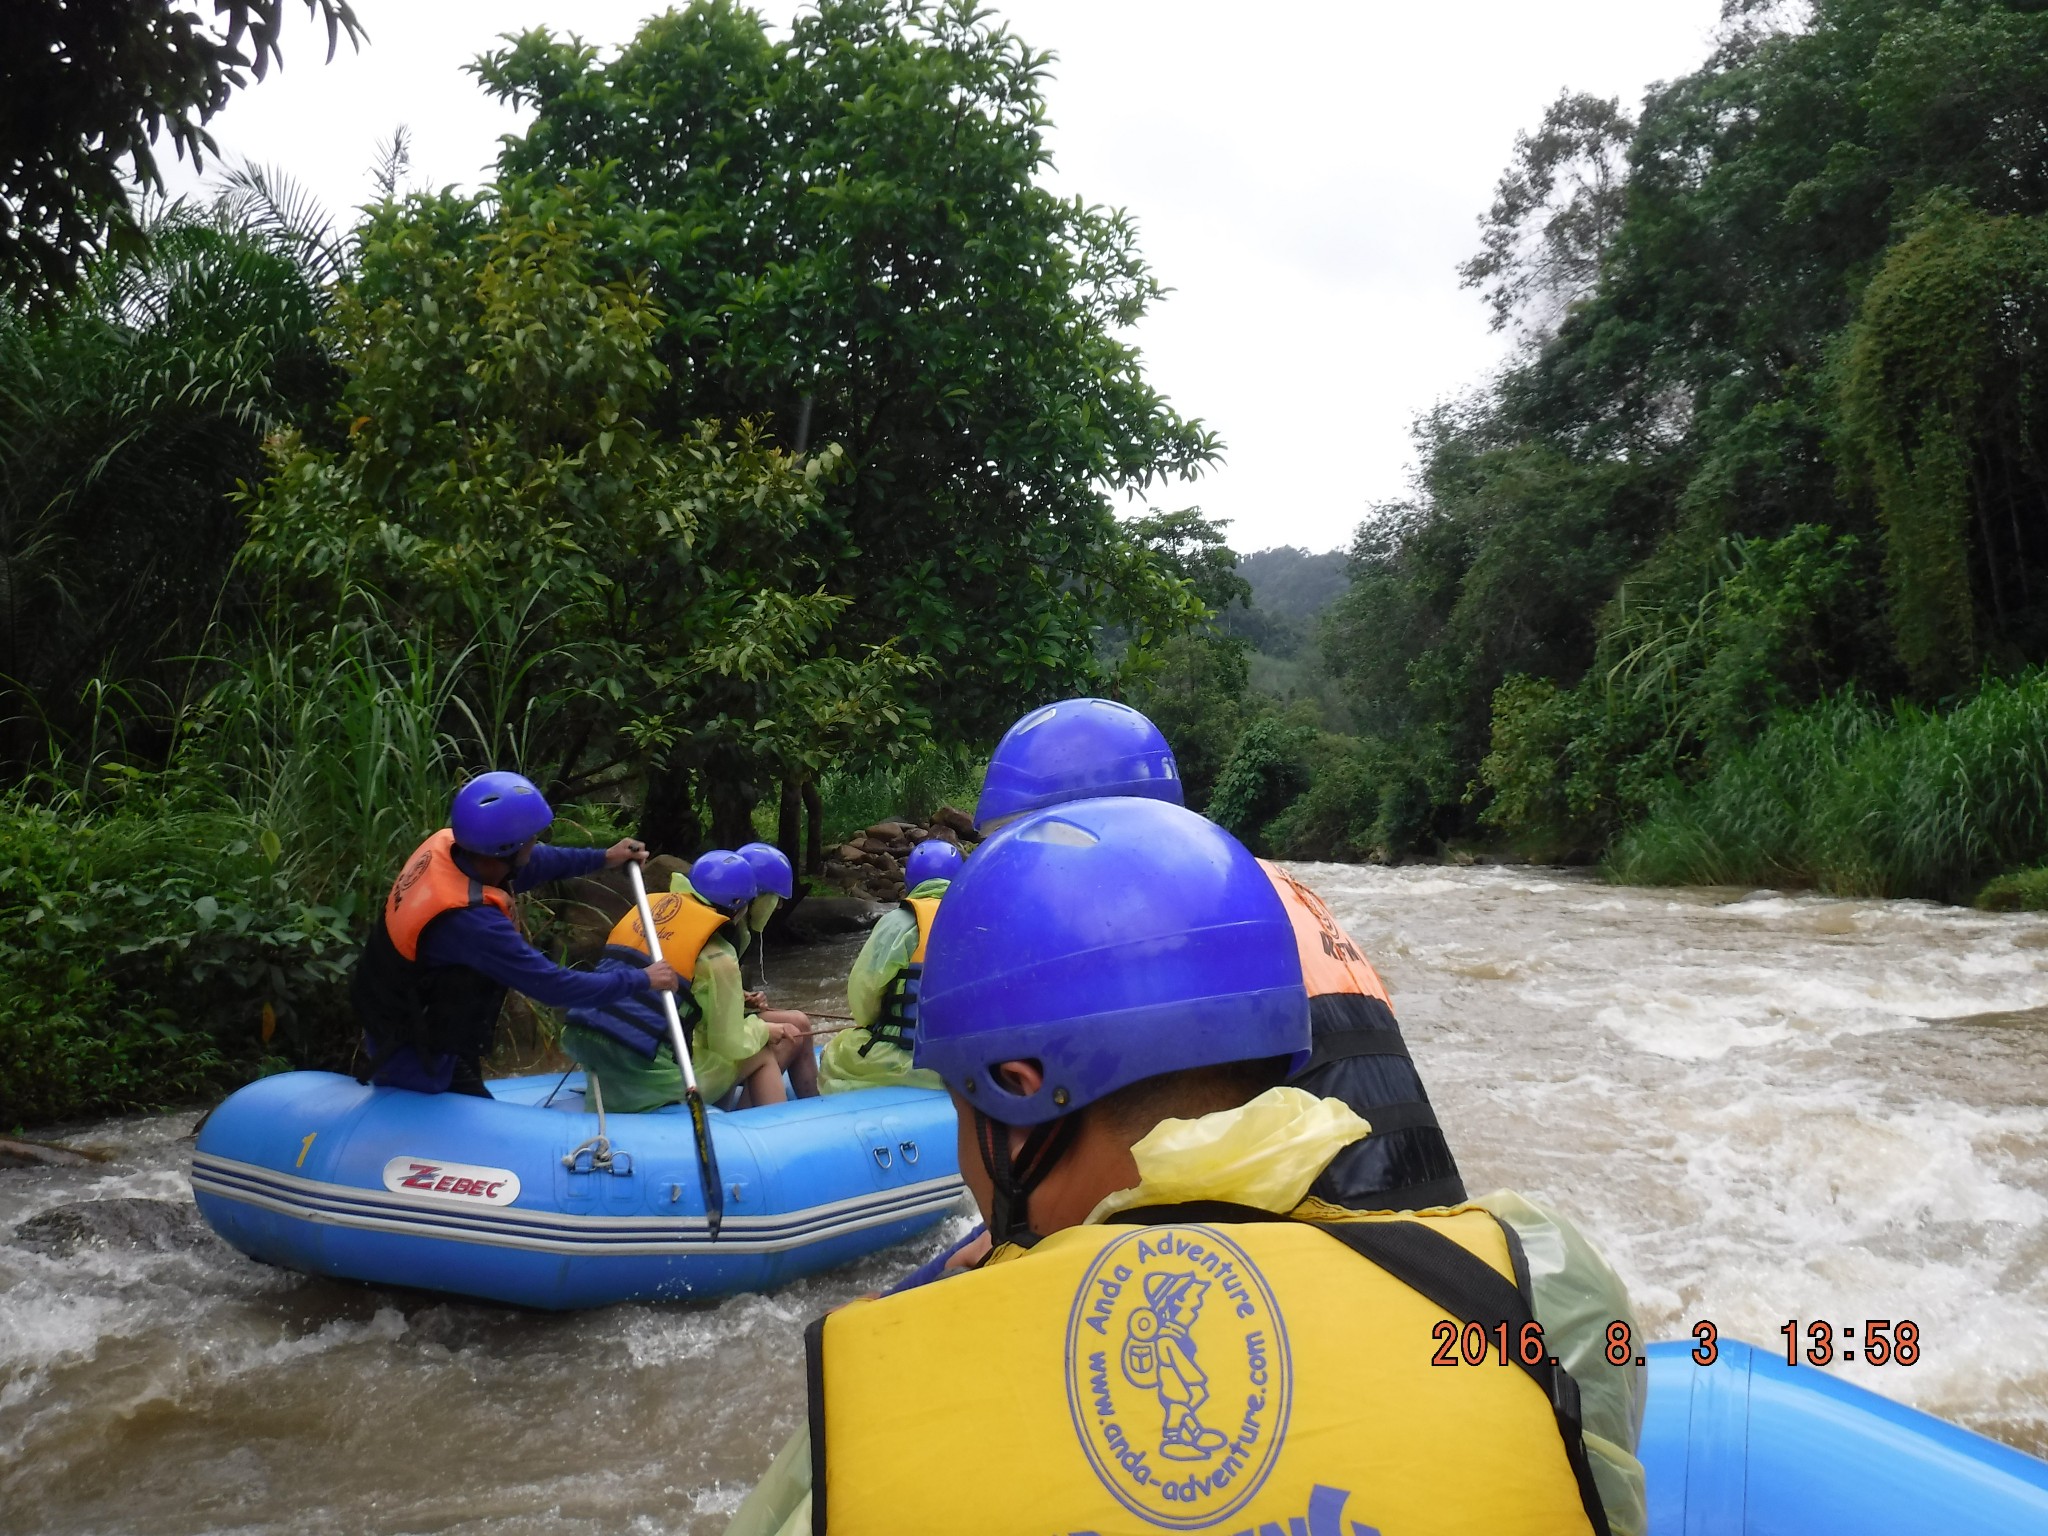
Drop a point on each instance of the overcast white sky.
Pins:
(1305, 177)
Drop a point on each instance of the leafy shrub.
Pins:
(1267, 770)
(2026, 891)
(153, 952)
(914, 788)
(1365, 800)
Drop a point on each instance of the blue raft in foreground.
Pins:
(508, 1198)
(1750, 1446)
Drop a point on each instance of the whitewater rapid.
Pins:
(1763, 1107)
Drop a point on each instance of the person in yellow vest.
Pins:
(882, 988)
(1113, 1002)
(446, 947)
(625, 1046)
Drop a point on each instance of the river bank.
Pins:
(1764, 1107)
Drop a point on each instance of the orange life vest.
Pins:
(431, 883)
(437, 1011)
(1331, 962)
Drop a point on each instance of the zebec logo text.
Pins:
(451, 1183)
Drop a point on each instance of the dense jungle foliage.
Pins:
(1743, 558)
(742, 454)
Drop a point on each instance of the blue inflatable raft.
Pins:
(513, 1198)
(1750, 1446)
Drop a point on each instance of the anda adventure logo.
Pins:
(451, 1183)
(1178, 1375)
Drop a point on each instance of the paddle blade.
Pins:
(707, 1165)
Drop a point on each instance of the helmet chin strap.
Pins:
(1013, 1179)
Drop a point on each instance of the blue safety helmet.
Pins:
(724, 879)
(1110, 940)
(932, 859)
(1077, 749)
(772, 874)
(496, 814)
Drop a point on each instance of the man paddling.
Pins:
(447, 948)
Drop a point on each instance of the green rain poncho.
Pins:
(724, 1036)
(891, 943)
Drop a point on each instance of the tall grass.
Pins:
(915, 788)
(1862, 801)
(341, 749)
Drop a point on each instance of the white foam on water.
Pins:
(1688, 1028)
(1712, 1087)
(1740, 1098)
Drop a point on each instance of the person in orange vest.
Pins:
(1080, 749)
(446, 948)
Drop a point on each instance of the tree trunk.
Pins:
(668, 821)
(732, 808)
(789, 823)
(814, 841)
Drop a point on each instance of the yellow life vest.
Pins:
(924, 909)
(684, 924)
(897, 1020)
(1213, 1370)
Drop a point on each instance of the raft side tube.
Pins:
(1750, 1446)
(298, 1170)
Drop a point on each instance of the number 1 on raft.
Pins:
(305, 1147)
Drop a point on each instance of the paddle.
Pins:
(707, 1160)
(838, 1024)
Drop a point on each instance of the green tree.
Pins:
(638, 595)
(848, 235)
(1804, 326)
(127, 419)
(91, 84)
(1554, 216)
(1945, 375)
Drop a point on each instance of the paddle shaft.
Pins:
(707, 1158)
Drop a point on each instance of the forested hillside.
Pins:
(1771, 442)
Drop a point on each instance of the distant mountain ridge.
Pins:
(1291, 583)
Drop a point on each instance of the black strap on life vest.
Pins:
(1360, 1058)
(814, 1391)
(1469, 1289)
(896, 1022)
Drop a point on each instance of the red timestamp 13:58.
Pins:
(1884, 1342)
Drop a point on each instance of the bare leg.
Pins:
(762, 1075)
(794, 1052)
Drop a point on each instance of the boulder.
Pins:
(958, 820)
(888, 831)
(822, 917)
(125, 1223)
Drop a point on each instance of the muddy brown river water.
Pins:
(1763, 1107)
